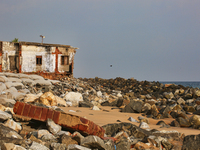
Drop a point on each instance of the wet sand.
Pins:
(108, 115)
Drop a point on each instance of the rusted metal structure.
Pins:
(48, 60)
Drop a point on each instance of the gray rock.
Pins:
(133, 106)
(21, 75)
(132, 130)
(110, 144)
(12, 89)
(37, 146)
(132, 120)
(95, 108)
(58, 146)
(99, 94)
(166, 144)
(48, 137)
(181, 101)
(12, 79)
(123, 144)
(198, 107)
(7, 102)
(13, 125)
(166, 112)
(63, 132)
(85, 104)
(169, 95)
(18, 85)
(65, 139)
(11, 146)
(16, 96)
(144, 125)
(74, 97)
(183, 122)
(36, 77)
(195, 121)
(8, 132)
(26, 81)
(52, 127)
(3, 79)
(162, 124)
(191, 142)
(9, 84)
(77, 137)
(42, 82)
(2, 87)
(4, 116)
(189, 101)
(77, 147)
(42, 132)
(93, 142)
(8, 74)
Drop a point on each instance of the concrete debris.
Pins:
(33, 101)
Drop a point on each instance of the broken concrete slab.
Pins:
(70, 121)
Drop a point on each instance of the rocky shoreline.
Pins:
(152, 99)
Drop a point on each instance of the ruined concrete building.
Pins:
(49, 60)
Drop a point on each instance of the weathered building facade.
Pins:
(48, 60)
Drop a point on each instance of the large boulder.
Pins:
(67, 140)
(4, 116)
(12, 79)
(16, 96)
(195, 121)
(2, 87)
(11, 146)
(183, 122)
(23, 76)
(3, 79)
(8, 132)
(7, 102)
(60, 101)
(169, 95)
(26, 81)
(42, 82)
(13, 125)
(191, 142)
(48, 99)
(37, 146)
(9, 74)
(36, 77)
(30, 98)
(74, 97)
(52, 127)
(93, 142)
(131, 129)
(135, 106)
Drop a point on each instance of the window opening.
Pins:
(38, 60)
(64, 60)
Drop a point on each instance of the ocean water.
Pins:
(194, 84)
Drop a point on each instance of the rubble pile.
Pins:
(152, 99)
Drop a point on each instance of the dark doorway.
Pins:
(13, 63)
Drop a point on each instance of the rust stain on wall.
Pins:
(37, 58)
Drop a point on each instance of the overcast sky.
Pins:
(154, 40)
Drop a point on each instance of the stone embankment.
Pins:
(24, 128)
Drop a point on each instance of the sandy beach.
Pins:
(108, 115)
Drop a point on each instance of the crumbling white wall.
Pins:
(29, 54)
(65, 52)
(8, 49)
